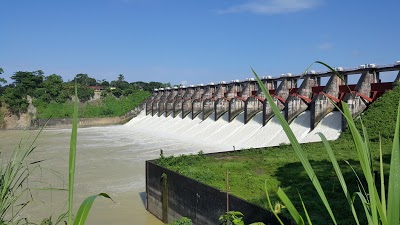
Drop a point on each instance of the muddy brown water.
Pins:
(109, 159)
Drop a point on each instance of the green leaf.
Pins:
(382, 176)
(393, 213)
(270, 204)
(305, 210)
(339, 175)
(289, 205)
(72, 156)
(85, 208)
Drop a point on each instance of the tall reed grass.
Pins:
(379, 208)
(14, 186)
(85, 206)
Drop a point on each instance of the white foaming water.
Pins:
(244, 132)
(330, 126)
(236, 133)
(227, 130)
(300, 127)
(264, 135)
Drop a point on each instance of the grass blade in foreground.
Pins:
(393, 207)
(72, 156)
(339, 174)
(296, 146)
(270, 204)
(85, 208)
(88, 202)
(289, 205)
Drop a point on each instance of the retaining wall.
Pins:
(171, 196)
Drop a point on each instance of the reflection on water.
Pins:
(109, 159)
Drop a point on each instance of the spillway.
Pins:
(236, 134)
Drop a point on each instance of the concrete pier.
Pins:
(280, 95)
(325, 98)
(300, 99)
(238, 103)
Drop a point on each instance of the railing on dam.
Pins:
(293, 94)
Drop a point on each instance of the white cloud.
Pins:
(270, 6)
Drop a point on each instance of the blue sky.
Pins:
(194, 41)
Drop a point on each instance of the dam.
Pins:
(235, 114)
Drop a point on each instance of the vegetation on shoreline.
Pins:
(280, 167)
(53, 97)
(108, 106)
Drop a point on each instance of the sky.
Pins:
(194, 41)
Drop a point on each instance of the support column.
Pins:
(255, 103)
(187, 101)
(214, 105)
(359, 98)
(298, 102)
(170, 101)
(237, 105)
(163, 101)
(280, 95)
(321, 104)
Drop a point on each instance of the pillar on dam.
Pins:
(197, 101)
(178, 101)
(209, 103)
(206, 98)
(149, 104)
(208, 107)
(255, 103)
(209, 91)
(156, 102)
(280, 95)
(197, 92)
(221, 107)
(325, 99)
(197, 107)
(163, 101)
(170, 101)
(359, 98)
(300, 99)
(222, 104)
(237, 104)
(150, 101)
(187, 101)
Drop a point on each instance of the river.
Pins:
(109, 159)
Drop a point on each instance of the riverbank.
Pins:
(25, 121)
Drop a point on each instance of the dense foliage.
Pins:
(52, 96)
(280, 167)
(109, 106)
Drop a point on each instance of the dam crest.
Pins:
(236, 115)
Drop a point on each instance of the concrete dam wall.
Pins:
(236, 114)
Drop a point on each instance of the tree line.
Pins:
(52, 89)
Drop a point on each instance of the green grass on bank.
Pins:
(280, 167)
(106, 107)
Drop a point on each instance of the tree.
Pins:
(85, 93)
(117, 92)
(15, 100)
(53, 85)
(120, 82)
(121, 78)
(2, 80)
(27, 82)
(85, 80)
(105, 83)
